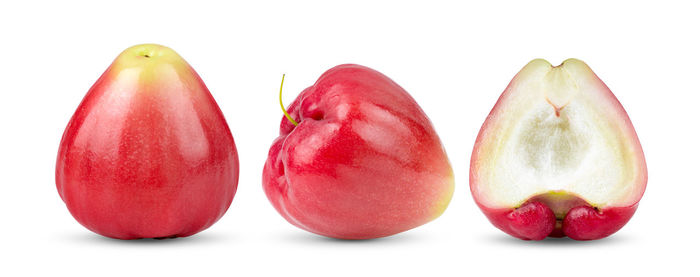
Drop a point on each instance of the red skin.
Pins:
(532, 221)
(535, 221)
(586, 223)
(364, 161)
(147, 158)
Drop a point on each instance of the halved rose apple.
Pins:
(558, 156)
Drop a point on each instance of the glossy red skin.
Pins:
(586, 223)
(535, 221)
(364, 162)
(532, 221)
(161, 164)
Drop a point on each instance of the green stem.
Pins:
(282, 105)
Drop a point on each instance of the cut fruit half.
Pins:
(558, 156)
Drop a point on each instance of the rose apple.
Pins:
(148, 153)
(558, 156)
(364, 161)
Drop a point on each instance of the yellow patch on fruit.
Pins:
(444, 201)
(151, 63)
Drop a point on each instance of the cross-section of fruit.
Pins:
(558, 156)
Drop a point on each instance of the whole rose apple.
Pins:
(363, 162)
(148, 153)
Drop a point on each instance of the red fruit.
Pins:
(559, 140)
(148, 153)
(364, 161)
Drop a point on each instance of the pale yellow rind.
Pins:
(444, 201)
(152, 65)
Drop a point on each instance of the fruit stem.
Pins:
(282, 105)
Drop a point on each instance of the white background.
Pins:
(455, 58)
